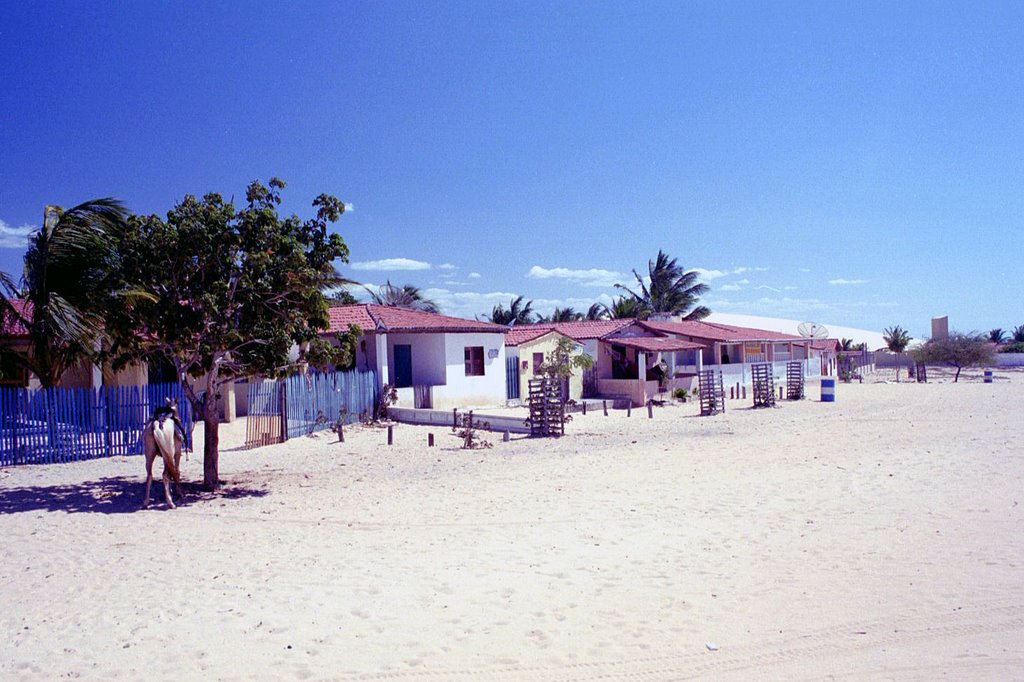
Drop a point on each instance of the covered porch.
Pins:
(643, 368)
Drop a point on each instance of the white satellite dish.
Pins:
(812, 330)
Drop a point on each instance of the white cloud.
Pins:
(15, 237)
(707, 275)
(743, 281)
(391, 264)
(730, 287)
(805, 269)
(841, 281)
(765, 286)
(474, 275)
(594, 277)
(445, 266)
(349, 208)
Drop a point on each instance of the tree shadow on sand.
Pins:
(110, 495)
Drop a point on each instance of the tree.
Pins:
(67, 283)
(625, 308)
(1018, 334)
(232, 294)
(566, 356)
(341, 296)
(517, 312)
(957, 350)
(596, 311)
(896, 340)
(405, 296)
(846, 344)
(996, 335)
(562, 315)
(670, 289)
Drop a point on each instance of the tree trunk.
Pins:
(956, 379)
(211, 442)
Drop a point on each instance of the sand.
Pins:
(874, 538)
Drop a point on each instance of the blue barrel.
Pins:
(988, 376)
(828, 389)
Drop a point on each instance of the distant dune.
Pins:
(872, 338)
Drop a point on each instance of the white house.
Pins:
(435, 361)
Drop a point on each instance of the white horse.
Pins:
(162, 436)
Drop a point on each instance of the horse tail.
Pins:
(164, 438)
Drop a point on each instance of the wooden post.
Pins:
(781, 394)
(455, 417)
(744, 392)
(629, 408)
(604, 406)
(391, 434)
(341, 431)
(430, 440)
(282, 406)
(584, 407)
(650, 409)
(737, 390)
(731, 396)
(505, 437)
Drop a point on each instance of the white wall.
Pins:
(473, 391)
(428, 357)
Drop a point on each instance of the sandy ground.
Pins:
(875, 538)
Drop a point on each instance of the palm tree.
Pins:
(1018, 334)
(997, 335)
(68, 278)
(846, 344)
(896, 340)
(405, 296)
(597, 311)
(567, 314)
(625, 308)
(670, 290)
(517, 312)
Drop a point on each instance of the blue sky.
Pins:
(857, 163)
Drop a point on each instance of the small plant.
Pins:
(680, 394)
(388, 397)
(468, 432)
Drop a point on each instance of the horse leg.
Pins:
(150, 456)
(167, 486)
(177, 468)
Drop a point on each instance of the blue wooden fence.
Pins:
(300, 405)
(315, 401)
(44, 426)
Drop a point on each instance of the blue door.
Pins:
(403, 365)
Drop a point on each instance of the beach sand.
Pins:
(877, 537)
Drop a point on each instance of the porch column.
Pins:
(641, 375)
(700, 360)
(383, 371)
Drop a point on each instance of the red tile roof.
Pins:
(524, 334)
(372, 317)
(13, 327)
(717, 332)
(580, 330)
(654, 344)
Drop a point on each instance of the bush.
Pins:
(680, 394)
(1017, 347)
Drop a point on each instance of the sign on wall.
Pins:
(492, 353)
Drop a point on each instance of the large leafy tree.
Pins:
(68, 280)
(896, 340)
(405, 296)
(518, 312)
(233, 292)
(669, 289)
(957, 350)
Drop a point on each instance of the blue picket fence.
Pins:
(44, 426)
(315, 401)
(304, 404)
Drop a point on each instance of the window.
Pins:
(538, 360)
(474, 361)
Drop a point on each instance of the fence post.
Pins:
(282, 403)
